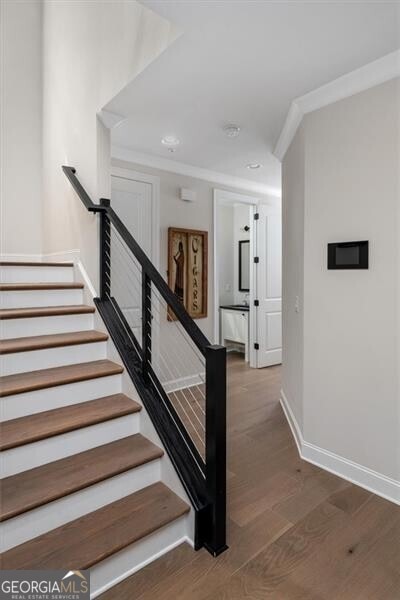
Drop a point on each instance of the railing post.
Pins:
(216, 446)
(105, 252)
(146, 324)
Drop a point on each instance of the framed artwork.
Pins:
(187, 269)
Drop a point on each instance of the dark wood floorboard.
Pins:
(295, 532)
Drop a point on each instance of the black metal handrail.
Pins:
(80, 190)
(205, 481)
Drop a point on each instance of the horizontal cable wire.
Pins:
(184, 370)
(186, 414)
(181, 391)
(179, 430)
(137, 284)
(176, 323)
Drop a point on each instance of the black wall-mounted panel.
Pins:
(348, 255)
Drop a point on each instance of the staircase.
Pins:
(81, 486)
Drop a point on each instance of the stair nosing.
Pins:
(59, 340)
(113, 369)
(154, 453)
(8, 314)
(79, 524)
(133, 409)
(40, 286)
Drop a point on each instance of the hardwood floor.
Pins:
(295, 531)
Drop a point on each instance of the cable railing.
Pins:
(179, 375)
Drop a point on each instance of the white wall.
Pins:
(344, 161)
(293, 175)
(177, 213)
(21, 127)
(92, 50)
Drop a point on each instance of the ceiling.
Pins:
(243, 62)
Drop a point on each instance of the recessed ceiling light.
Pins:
(231, 130)
(170, 140)
(253, 166)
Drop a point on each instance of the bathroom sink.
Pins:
(237, 306)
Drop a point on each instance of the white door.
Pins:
(134, 199)
(268, 245)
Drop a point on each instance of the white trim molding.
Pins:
(62, 256)
(224, 197)
(377, 72)
(110, 119)
(374, 482)
(173, 166)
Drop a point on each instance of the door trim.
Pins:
(225, 197)
(154, 181)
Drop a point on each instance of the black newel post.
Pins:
(216, 446)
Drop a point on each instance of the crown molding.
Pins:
(110, 119)
(172, 166)
(377, 72)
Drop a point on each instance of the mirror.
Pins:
(244, 266)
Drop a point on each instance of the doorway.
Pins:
(135, 199)
(248, 277)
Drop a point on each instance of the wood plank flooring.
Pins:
(295, 531)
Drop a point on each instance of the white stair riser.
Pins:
(29, 403)
(119, 566)
(51, 449)
(20, 362)
(35, 522)
(36, 274)
(35, 298)
(16, 328)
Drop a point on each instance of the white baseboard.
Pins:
(111, 571)
(83, 277)
(21, 257)
(291, 419)
(62, 256)
(374, 482)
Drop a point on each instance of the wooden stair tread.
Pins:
(41, 342)
(11, 263)
(19, 383)
(18, 287)
(88, 540)
(45, 311)
(32, 428)
(36, 487)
